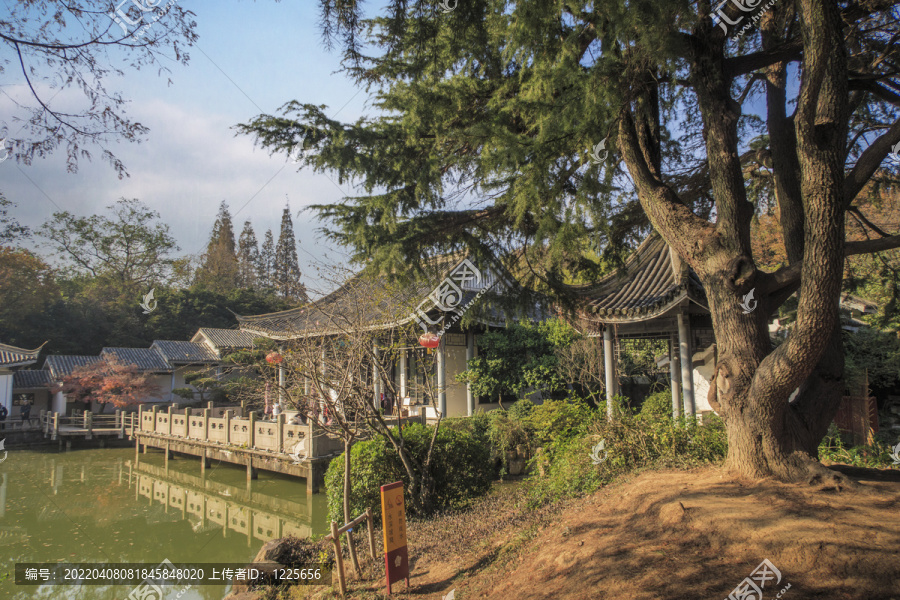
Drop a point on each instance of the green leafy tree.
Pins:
(10, 230)
(28, 292)
(218, 270)
(130, 249)
(519, 359)
(490, 114)
(181, 312)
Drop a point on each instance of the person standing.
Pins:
(26, 410)
(276, 410)
(3, 413)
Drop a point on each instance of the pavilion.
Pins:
(654, 295)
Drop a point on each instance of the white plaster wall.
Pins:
(6, 383)
(456, 391)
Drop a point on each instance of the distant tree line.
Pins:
(86, 292)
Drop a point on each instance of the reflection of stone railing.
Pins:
(237, 512)
(271, 436)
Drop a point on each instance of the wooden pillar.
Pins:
(167, 455)
(470, 354)
(675, 376)
(376, 377)
(251, 434)
(442, 378)
(404, 375)
(687, 367)
(609, 368)
(281, 383)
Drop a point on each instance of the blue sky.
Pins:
(251, 58)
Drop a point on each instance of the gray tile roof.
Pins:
(225, 338)
(359, 299)
(61, 365)
(146, 359)
(185, 352)
(647, 286)
(11, 356)
(26, 379)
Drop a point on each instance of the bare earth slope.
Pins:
(682, 535)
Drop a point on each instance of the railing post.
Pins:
(243, 408)
(206, 413)
(371, 533)
(187, 422)
(88, 424)
(336, 539)
(251, 439)
(155, 411)
(227, 426)
(140, 419)
(169, 424)
(55, 426)
(311, 443)
(279, 431)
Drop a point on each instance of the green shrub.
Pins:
(371, 466)
(630, 443)
(657, 405)
(520, 409)
(460, 467)
(505, 434)
(834, 448)
(557, 421)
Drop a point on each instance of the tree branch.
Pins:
(869, 162)
(741, 65)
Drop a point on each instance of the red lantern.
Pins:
(273, 358)
(430, 340)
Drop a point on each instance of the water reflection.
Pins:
(98, 506)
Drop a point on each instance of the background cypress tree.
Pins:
(248, 257)
(287, 267)
(267, 261)
(218, 270)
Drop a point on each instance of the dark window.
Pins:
(20, 399)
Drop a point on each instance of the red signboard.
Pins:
(393, 516)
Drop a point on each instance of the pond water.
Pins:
(98, 506)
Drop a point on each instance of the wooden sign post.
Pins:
(393, 515)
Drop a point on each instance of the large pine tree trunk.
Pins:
(770, 435)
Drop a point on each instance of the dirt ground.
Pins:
(676, 535)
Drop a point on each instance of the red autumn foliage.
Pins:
(109, 381)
